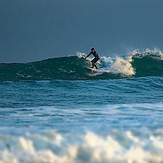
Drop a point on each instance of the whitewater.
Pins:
(58, 111)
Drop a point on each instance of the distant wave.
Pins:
(138, 64)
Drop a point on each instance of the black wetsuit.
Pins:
(95, 59)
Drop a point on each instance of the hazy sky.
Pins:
(39, 29)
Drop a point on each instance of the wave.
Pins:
(90, 147)
(138, 64)
(134, 140)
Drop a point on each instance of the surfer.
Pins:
(95, 59)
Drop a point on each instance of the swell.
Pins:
(148, 64)
(74, 68)
(56, 68)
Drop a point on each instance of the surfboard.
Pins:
(92, 69)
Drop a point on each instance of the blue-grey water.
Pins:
(111, 115)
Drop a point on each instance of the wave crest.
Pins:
(138, 64)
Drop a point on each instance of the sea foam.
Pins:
(90, 147)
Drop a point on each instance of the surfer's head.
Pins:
(92, 49)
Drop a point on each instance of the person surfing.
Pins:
(95, 59)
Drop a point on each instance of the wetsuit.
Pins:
(95, 59)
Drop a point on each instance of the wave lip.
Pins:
(149, 63)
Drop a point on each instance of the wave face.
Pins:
(149, 63)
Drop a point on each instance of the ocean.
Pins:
(58, 111)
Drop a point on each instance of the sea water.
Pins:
(58, 111)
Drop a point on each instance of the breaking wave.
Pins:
(138, 64)
(119, 147)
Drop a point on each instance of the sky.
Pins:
(33, 30)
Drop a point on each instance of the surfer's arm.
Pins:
(88, 55)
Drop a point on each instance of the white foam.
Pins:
(139, 54)
(89, 147)
(122, 66)
(116, 66)
(81, 55)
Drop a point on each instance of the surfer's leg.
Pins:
(93, 65)
(94, 61)
(96, 66)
